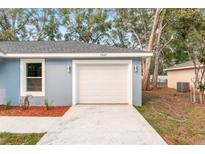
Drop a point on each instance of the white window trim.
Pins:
(23, 63)
(76, 63)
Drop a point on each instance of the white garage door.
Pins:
(103, 83)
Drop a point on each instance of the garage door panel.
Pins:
(103, 83)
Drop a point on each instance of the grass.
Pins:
(19, 139)
(172, 115)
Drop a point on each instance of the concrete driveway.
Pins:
(102, 124)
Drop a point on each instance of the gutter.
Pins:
(76, 55)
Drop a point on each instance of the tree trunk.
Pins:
(143, 66)
(201, 97)
(156, 71)
(146, 78)
(158, 51)
(194, 95)
(191, 94)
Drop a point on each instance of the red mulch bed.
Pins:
(40, 111)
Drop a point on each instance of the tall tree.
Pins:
(134, 26)
(195, 43)
(175, 27)
(164, 37)
(119, 36)
(181, 20)
(13, 24)
(44, 24)
(196, 51)
(146, 77)
(86, 25)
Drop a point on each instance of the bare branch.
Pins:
(133, 32)
(165, 45)
(24, 23)
(136, 35)
(141, 15)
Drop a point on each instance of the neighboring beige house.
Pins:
(180, 73)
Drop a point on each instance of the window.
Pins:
(32, 77)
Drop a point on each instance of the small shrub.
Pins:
(7, 105)
(46, 104)
(201, 86)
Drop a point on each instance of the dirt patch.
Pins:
(174, 117)
(34, 111)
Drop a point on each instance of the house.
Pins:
(69, 72)
(180, 73)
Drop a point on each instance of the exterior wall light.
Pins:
(136, 68)
(69, 68)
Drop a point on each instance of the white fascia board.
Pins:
(1, 54)
(79, 62)
(79, 55)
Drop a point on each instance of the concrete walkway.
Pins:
(102, 124)
(16, 124)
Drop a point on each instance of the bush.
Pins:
(7, 105)
(201, 86)
(46, 104)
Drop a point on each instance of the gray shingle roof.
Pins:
(182, 66)
(59, 47)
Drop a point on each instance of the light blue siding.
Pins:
(58, 82)
(137, 83)
(10, 79)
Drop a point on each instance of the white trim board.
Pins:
(76, 63)
(77, 55)
(23, 63)
(2, 54)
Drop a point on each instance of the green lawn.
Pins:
(176, 119)
(19, 139)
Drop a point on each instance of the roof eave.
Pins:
(180, 68)
(1, 54)
(77, 55)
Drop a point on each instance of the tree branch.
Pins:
(24, 23)
(141, 14)
(133, 32)
(136, 35)
(165, 45)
